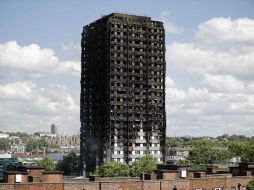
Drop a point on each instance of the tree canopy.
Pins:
(113, 169)
(144, 164)
(36, 144)
(4, 144)
(47, 164)
(207, 150)
(69, 164)
(18, 134)
(250, 185)
(39, 144)
(242, 149)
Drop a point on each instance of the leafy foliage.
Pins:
(244, 149)
(4, 144)
(192, 165)
(144, 164)
(250, 185)
(18, 134)
(54, 146)
(205, 152)
(39, 144)
(172, 142)
(69, 164)
(113, 169)
(47, 164)
(36, 144)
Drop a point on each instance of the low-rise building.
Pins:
(28, 174)
(18, 149)
(166, 177)
(175, 154)
(4, 136)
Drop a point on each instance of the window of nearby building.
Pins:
(18, 178)
(183, 173)
(218, 188)
(30, 178)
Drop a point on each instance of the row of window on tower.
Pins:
(137, 71)
(134, 64)
(137, 27)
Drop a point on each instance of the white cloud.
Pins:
(169, 26)
(224, 83)
(225, 31)
(198, 111)
(220, 46)
(17, 91)
(196, 60)
(220, 59)
(73, 48)
(250, 87)
(35, 59)
(169, 82)
(27, 107)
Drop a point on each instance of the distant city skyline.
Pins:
(209, 54)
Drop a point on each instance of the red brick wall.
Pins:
(10, 178)
(37, 174)
(180, 184)
(33, 186)
(207, 183)
(53, 178)
(167, 175)
(170, 176)
(234, 181)
(185, 184)
(81, 186)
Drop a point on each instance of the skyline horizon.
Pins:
(173, 136)
(209, 60)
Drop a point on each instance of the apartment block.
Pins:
(122, 101)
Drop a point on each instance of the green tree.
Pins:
(238, 138)
(243, 149)
(18, 134)
(4, 144)
(206, 151)
(47, 164)
(172, 142)
(192, 165)
(54, 146)
(113, 169)
(36, 144)
(69, 164)
(184, 162)
(144, 164)
(250, 185)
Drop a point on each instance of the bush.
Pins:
(250, 185)
(113, 169)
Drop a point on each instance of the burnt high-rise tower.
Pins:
(122, 102)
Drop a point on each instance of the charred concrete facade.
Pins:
(122, 103)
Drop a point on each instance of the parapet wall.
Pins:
(185, 184)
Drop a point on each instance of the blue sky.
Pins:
(209, 62)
